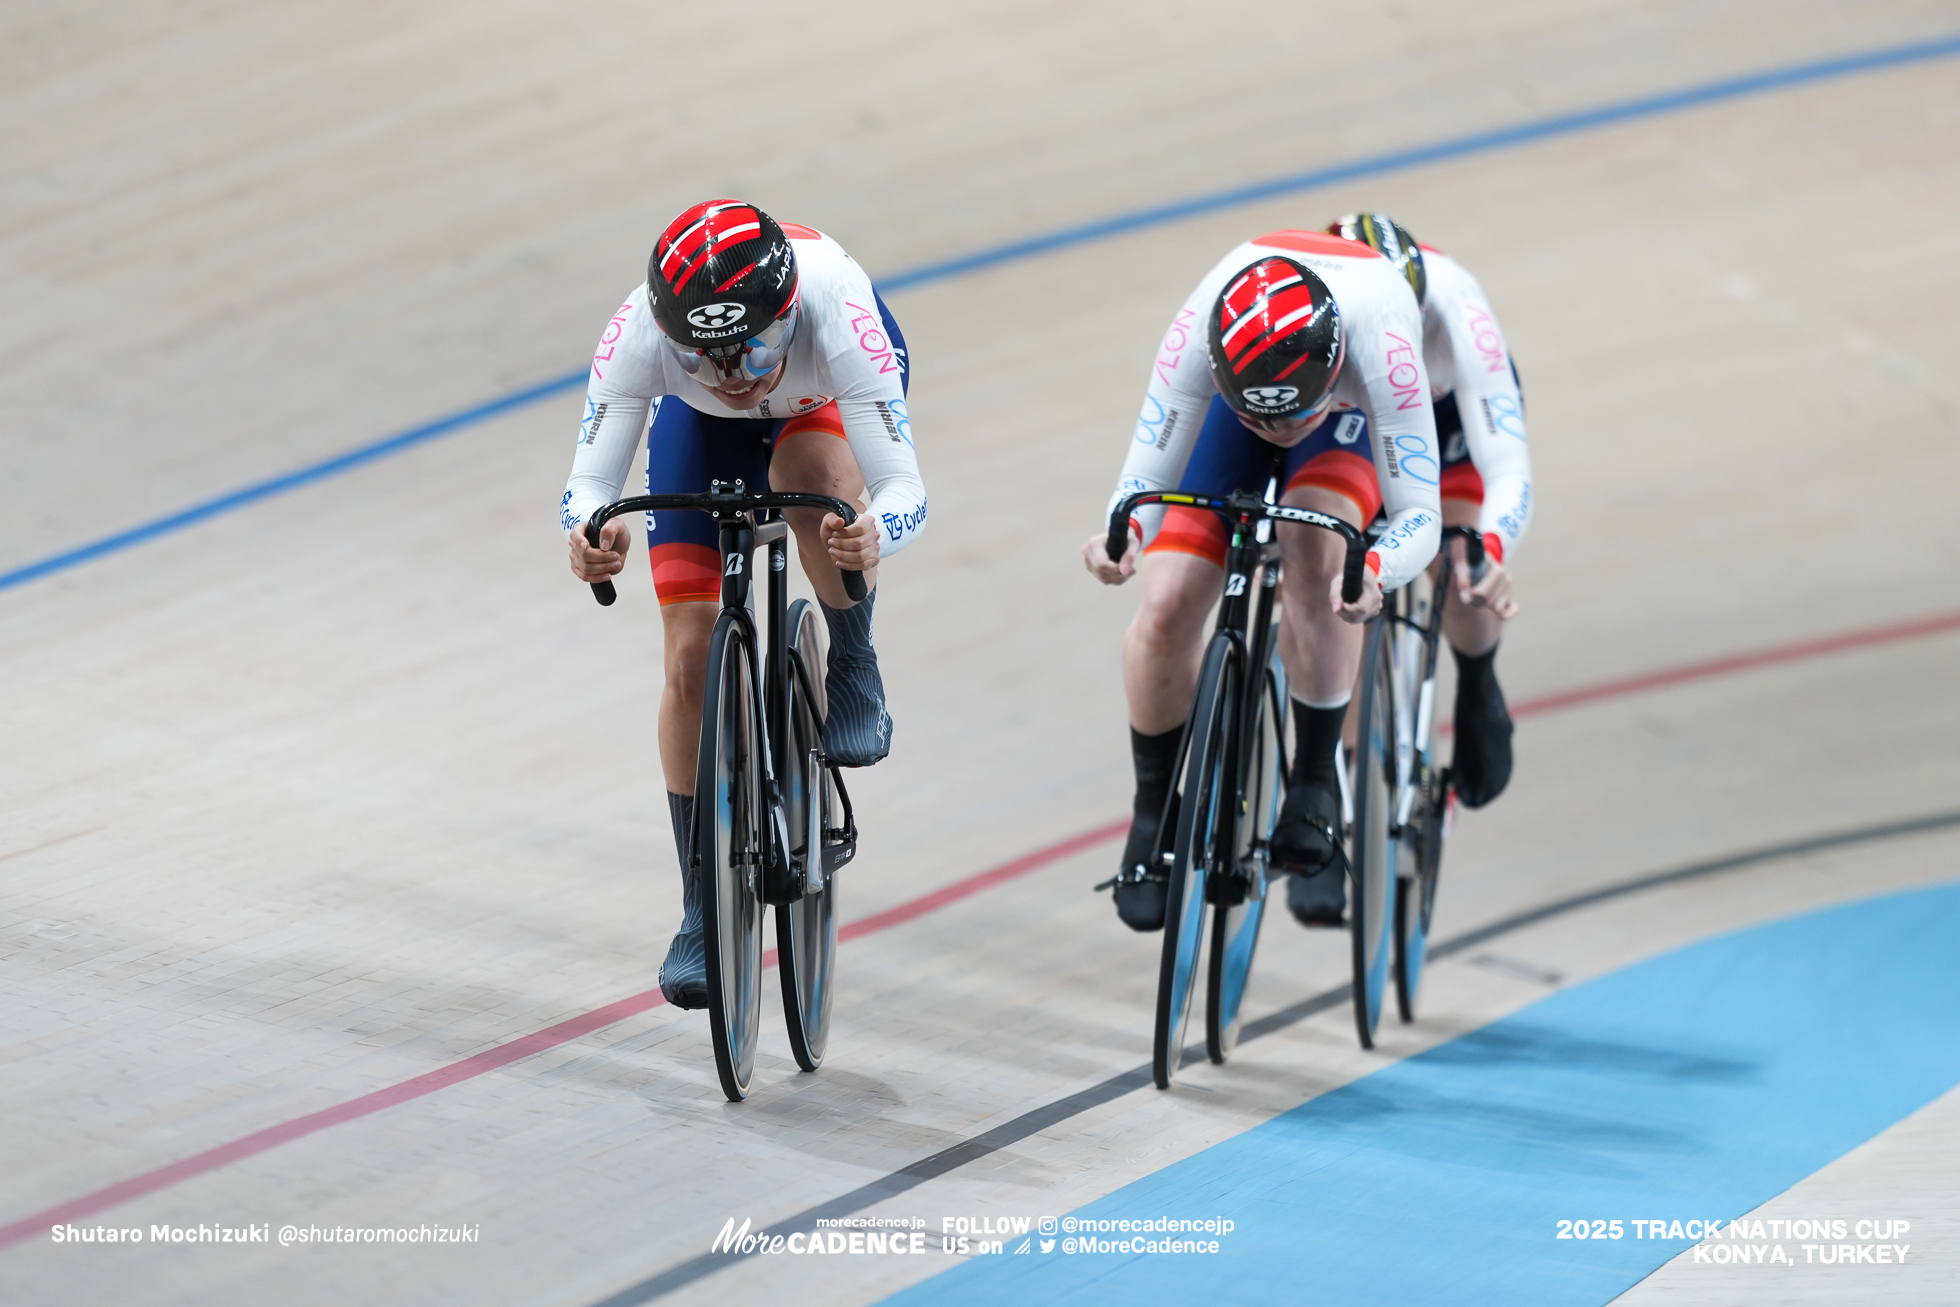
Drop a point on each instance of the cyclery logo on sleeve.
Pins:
(1268, 398)
(898, 525)
(712, 317)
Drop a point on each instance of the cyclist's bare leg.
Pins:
(818, 462)
(1469, 629)
(1321, 652)
(1165, 642)
(686, 631)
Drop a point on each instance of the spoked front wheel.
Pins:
(1204, 838)
(1370, 850)
(1235, 923)
(806, 930)
(729, 833)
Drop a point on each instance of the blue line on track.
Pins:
(1453, 148)
(1693, 1086)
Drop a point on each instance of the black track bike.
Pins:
(772, 819)
(1231, 770)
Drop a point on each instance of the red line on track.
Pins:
(584, 1024)
(513, 1051)
(1741, 662)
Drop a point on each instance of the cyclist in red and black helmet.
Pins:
(762, 354)
(1312, 344)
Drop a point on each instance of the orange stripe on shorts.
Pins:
(1346, 474)
(1194, 531)
(685, 573)
(1461, 481)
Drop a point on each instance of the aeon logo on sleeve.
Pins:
(713, 317)
(873, 341)
(1483, 331)
(1404, 377)
(1175, 340)
(1267, 399)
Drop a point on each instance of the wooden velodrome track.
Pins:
(311, 798)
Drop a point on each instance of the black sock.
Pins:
(1155, 759)
(1315, 733)
(680, 808)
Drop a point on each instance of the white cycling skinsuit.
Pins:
(1485, 456)
(1382, 382)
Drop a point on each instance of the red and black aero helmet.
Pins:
(1276, 341)
(722, 282)
(1392, 241)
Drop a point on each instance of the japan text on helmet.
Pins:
(722, 284)
(1392, 241)
(1276, 341)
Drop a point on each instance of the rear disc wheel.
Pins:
(1235, 926)
(806, 930)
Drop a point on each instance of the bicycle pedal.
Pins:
(840, 846)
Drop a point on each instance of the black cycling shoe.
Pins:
(857, 731)
(1140, 898)
(1481, 767)
(1141, 882)
(1318, 900)
(684, 975)
(1309, 828)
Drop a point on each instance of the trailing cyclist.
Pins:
(763, 355)
(1309, 343)
(1486, 483)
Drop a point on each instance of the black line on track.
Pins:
(1041, 1118)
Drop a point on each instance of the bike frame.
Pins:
(745, 521)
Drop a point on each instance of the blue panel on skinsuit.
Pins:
(1695, 1085)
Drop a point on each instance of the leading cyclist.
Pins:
(765, 356)
(1486, 483)
(1299, 341)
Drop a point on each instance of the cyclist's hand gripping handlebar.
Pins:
(713, 502)
(1473, 550)
(601, 590)
(1357, 548)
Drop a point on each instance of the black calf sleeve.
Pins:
(1155, 758)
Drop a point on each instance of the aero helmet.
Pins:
(1276, 341)
(1392, 241)
(722, 285)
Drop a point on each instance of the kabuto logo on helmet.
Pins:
(1269, 398)
(720, 268)
(1275, 340)
(712, 316)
